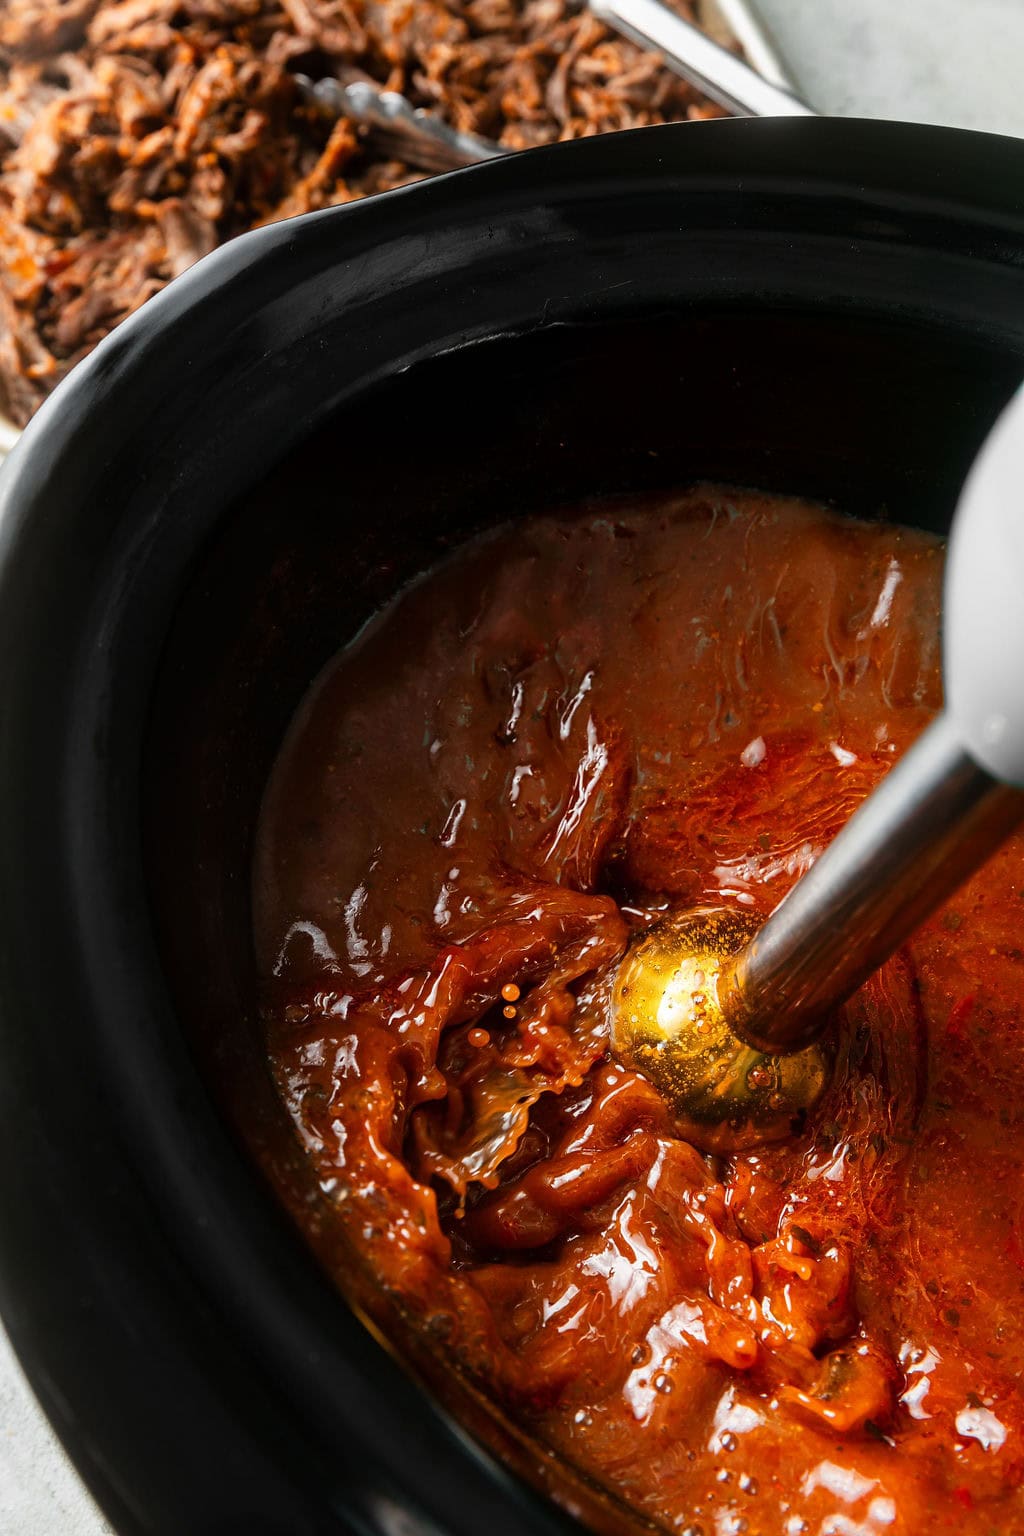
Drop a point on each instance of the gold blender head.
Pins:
(668, 1024)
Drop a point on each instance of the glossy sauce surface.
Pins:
(573, 725)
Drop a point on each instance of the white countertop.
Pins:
(40, 1493)
(925, 61)
(931, 61)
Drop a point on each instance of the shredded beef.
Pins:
(135, 135)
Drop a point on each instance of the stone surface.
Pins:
(40, 1494)
(932, 61)
(925, 61)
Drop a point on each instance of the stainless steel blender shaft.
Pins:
(932, 821)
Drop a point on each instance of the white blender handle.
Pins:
(983, 643)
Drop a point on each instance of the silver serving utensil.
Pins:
(756, 41)
(411, 133)
(417, 136)
(695, 56)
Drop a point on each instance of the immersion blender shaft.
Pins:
(933, 820)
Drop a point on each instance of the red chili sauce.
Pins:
(572, 725)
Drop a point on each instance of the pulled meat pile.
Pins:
(136, 135)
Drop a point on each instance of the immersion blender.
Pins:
(727, 1022)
